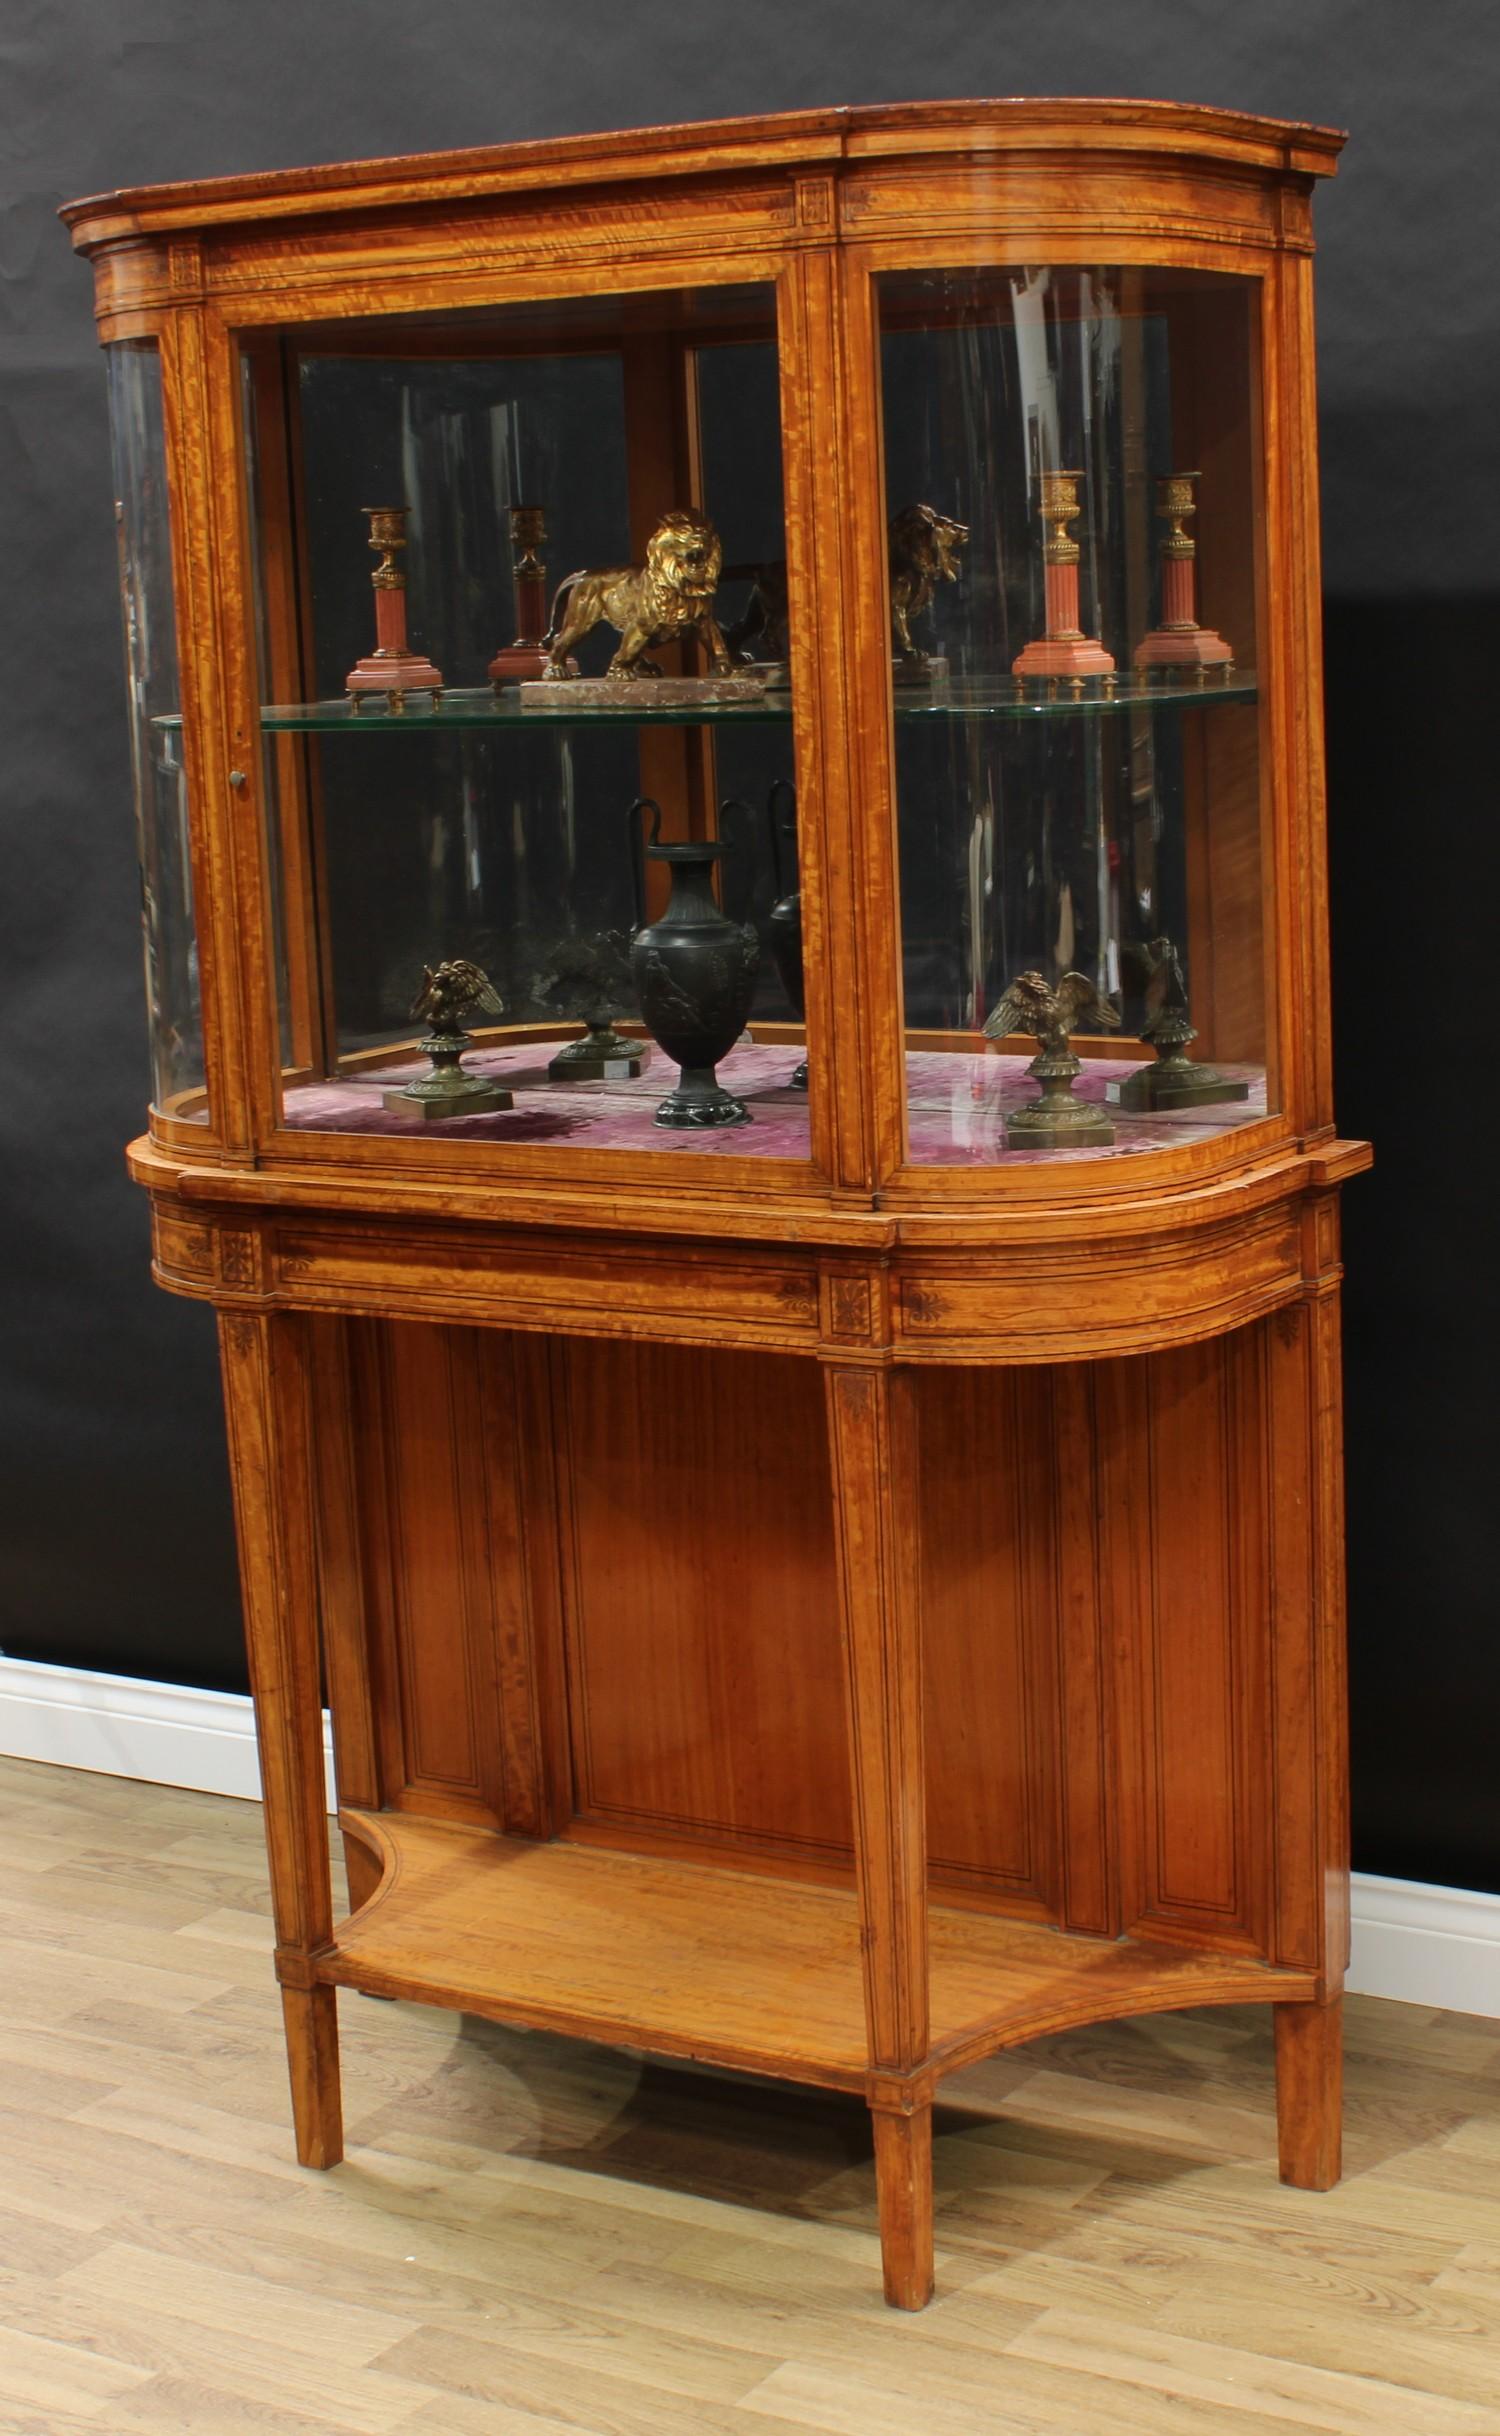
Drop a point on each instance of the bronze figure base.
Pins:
(447, 1091)
(469, 1096)
(1058, 1120)
(441, 1095)
(602, 1056)
(1053, 1125)
(1167, 1084)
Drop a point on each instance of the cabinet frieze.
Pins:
(996, 194)
(515, 239)
(1076, 1297)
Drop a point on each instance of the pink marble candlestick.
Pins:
(1179, 641)
(392, 668)
(1065, 650)
(527, 655)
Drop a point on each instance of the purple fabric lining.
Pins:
(956, 1107)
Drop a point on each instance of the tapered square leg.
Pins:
(1310, 2093)
(872, 1441)
(903, 2190)
(310, 2016)
(264, 1358)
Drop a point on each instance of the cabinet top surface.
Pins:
(783, 138)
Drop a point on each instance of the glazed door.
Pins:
(1067, 518)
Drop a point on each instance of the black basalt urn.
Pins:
(694, 974)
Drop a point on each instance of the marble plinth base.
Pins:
(406, 673)
(1199, 647)
(517, 661)
(1064, 656)
(637, 693)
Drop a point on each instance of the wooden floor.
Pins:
(532, 2237)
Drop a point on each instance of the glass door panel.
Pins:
(169, 932)
(1071, 470)
(466, 769)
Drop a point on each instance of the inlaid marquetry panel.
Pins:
(182, 1244)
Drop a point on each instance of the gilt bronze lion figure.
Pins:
(665, 601)
(924, 550)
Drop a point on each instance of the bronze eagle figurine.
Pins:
(1168, 1025)
(448, 991)
(1165, 978)
(1049, 1015)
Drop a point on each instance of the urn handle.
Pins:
(781, 822)
(643, 803)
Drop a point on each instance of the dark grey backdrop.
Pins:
(114, 1522)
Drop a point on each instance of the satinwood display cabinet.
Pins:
(844, 1589)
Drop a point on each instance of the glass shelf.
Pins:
(958, 700)
(1061, 698)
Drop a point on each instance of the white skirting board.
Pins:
(117, 1725)
(1427, 1945)
(1423, 1945)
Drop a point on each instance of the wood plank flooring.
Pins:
(531, 2237)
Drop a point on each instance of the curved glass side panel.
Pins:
(1072, 487)
(424, 492)
(173, 1000)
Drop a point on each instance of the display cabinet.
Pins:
(727, 752)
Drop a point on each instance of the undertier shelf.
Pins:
(961, 700)
(758, 1972)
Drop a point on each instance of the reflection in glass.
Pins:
(173, 1001)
